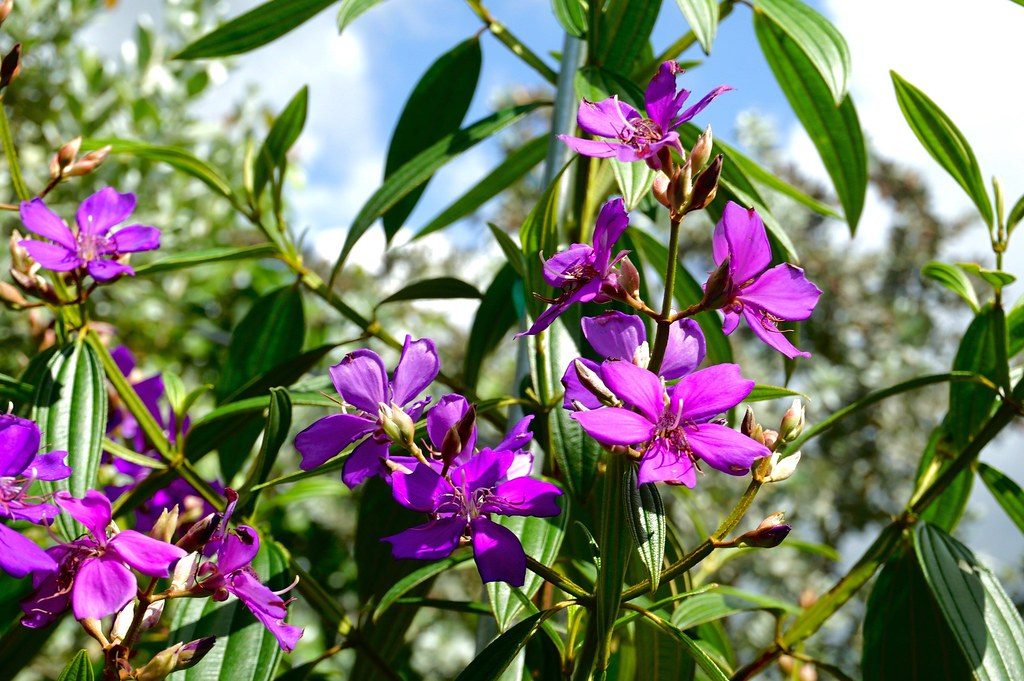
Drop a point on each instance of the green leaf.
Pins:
(724, 601)
(572, 15)
(1008, 493)
(822, 46)
(433, 289)
(255, 28)
(417, 577)
(275, 434)
(176, 157)
(645, 515)
(513, 168)
(625, 28)
(660, 657)
(499, 653)
(634, 179)
(421, 168)
(694, 650)
(702, 15)
(13, 389)
(954, 279)
(350, 10)
(20, 645)
(761, 393)
(997, 279)
(206, 256)
(831, 124)
(245, 650)
(282, 136)
(1016, 213)
(541, 539)
(539, 237)
(983, 619)
(513, 252)
(433, 112)
(943, 141)
(78, 669)
(577, 454)
(905, 635)
(495, 316)
(71, 409)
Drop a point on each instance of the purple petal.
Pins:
(364, 462)
(612, 221)
(422, 490)
(20, 555)
(662, 463)
(50, 466)
(44, 222)
(724, 449)
(607, 118)
(767, 331)
(615, 335)
(147, 555)
(92, 510)
(267, 607)
(741, 237)
(102, 587)
(52, 256)
(105, 270)
(636, 387)
(596, 148)
(615, 426)
(525, 496)
(416, 368)
(558, 269)
(660, 100)
(522, 465)
(150, 391)
(327, 437)
(238, 550)
(431, 541)
(136, 238)
(730, 321)
(574, 390)
(482, 470)
(499, 555)
(711, 391)
(361, 379)
(685, 349)
(699, 106)
(124, 359)
(19, 443)
(104, 209)
(783, 291)
(445, 415)
(40, 514)
(518, 436)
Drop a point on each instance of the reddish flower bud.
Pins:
(706, 186)
(10, 67)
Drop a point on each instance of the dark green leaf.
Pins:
(1016, 213)
(71, 410)
(625, 28)
(512, 169)
(190, 259)
(722, 602)
(944, 142)
(421, 168)
(513, 251)
(351, 9)
(499, 653)
(645, 515)
(433, 112)
(255, 28)
(78, 669)
(760, 393)
(822, 45)
(19, 646)
(983, 619)
(538, 236)
(954, 279)
(576, 454)
(282, 136)
(702, 15)
(495, 316)
(15, 390)
(695, 650)
(1008, 493)
(275, 434)
(415, 578)
(832, 125)
(175, 157)
(433, 289)
(572, 15)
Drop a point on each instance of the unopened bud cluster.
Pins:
(65, 163)
(776, 468)
(693, 185)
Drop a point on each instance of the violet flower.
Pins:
(672, 426)
(94, 574)
(20, 466)
(764, 298)
(362, 381)
(92, 248)
(460, 504)
(615, 335)
(630, 136)
(585, 273)
(232, 574)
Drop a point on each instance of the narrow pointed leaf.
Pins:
(255, 28)
(577, 454)
(513, 251)
(282, 136)
(417, 577)
(350, 10)
(954, 279)
(78, 669)
(702, 15)
(625, 28)
(176, 157)
(491, 663)
(207, 256)
(572, 15)
(1008, 493)
(645, 515)
(494, 318)
(433, 289)
(275, 434)
(722, 602)
(634, 179)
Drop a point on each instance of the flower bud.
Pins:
(165, 525)
(792, 422)
(89, 162)
(10, 67)
(701, 151)
(629, 278)
(705, 186)
(595, 384)
(185, 571)
(749, 422)
(177, 657)
(717, 288)
(68, 152)
(5, 9)
(769, 438)
(769, 534)
(396, 424)
(784, 469)
(808, 672)
(660, 188)
(642, 355)
(458, 435)
(11, 296)
(199, 534)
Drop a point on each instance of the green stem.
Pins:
(562, 582)
(661, 336)
(7, 139)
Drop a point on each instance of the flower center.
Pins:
(642, 134)
(90, 246)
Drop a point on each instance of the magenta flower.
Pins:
(764, 298)
(615, 335)
(630, 136)
(460, 504)
(92, 248)
(362, 381)
(671, 426)
(232, 574)
(94, 573)
(585, 273)
(20, 466)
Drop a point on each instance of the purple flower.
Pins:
(671, 426)
(92, 247)
(764, 298)
(94, 573)
(585, 273)
(460, 504)
(20, 466)
(362, 381)
(232, 574)
(615, 335)
(630, 136)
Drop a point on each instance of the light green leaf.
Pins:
(282, 136)
(634, 179)
(702, 15)
(1008, 493)
(954, 279)
(255, 28)
(513, 251)
(625, 28)
(997, 279)
(78, 669)
(724, 602)
(645, 515)
(433, 289)
(761, 393)
(576, 453)
(190, 259)
(175, 157)
(572, 15)
(350, 10)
